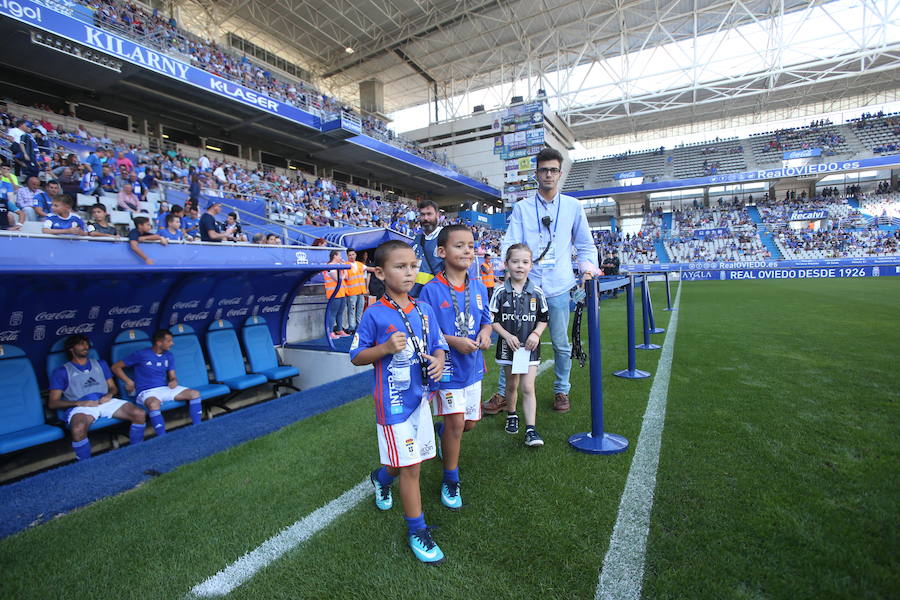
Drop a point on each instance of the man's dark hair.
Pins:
(74, 340)
(100, 206)
(444, 234)
(176, 208)
(384, 250)
(138, 221)
(170, 218)
(548, 154)
(159, 335)
(423, 204)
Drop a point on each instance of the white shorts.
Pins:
(107, 409)
(410, 442)
(163, 394)
(451, 402)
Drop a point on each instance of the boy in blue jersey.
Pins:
(63, 220)
(461, 305)
(172, 231)
(401, 338)
(83, 390)
(155, 381)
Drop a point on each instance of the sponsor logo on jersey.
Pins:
(390, 329)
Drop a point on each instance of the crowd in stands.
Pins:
(685, 220)
(837, 243)
(129, 173)
(800, 139)
(840, 213)
(723, 246)
(884, 204)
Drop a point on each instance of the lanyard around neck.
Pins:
(462, 318)
(538, 216)
(412, 334)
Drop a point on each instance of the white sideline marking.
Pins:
(545, 365)
(622, 574)
(229, 578)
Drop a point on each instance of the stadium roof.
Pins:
(595, 59)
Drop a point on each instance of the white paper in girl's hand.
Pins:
(521, 357)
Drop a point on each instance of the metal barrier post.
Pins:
(596, 441)
(668, 294)
(645, 314)
(653, 327)
(632, 371)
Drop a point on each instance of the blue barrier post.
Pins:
(653, 327)
(645, 315)
(632, 371)
(596, 441)
(668, 294)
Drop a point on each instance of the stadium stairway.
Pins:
(754, 215)
(661, 253)
(769, 242)
(853, 202)
(667, 222)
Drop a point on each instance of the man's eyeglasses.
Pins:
(548, 171)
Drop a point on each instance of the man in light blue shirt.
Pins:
(554, 227)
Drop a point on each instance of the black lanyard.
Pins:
(412, 334)
(462, 318)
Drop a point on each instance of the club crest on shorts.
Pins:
(448, 398)
(410, 445)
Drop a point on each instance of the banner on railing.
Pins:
(809, 215)
(808, 153)
(764, 264)
(792, 273)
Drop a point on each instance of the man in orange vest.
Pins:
(487, 274)
(355, 281)
(332, 276)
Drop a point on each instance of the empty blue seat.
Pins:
(58, 358)
(21, 411)
(132, 340)
(226, 358)
(190, 366)
(261, 354)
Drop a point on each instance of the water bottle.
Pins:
(400, 370)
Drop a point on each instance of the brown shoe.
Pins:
(494, 405)
(561, 403)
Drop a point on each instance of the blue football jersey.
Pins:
(463, 369)
(150, 369)
(394, 403)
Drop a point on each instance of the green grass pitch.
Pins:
(778, 478)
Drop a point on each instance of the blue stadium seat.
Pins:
(127, 342)
(226, 359)
(190, 366)
(261, 354)
(21, 411)
(57, 358)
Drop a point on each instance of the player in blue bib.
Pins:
(83, 390)
(155, 381)
(461, 305)
(401, 338)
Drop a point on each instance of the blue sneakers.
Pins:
(424, 547)
(450, 495)
(383, 498)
